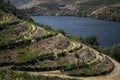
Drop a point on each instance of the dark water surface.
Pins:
(108, 33)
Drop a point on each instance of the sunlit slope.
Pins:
(100, 9)
(34, 48)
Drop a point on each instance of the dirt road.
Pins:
(114, 75)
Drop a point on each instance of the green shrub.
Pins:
(86, 71)
(113, 52)
(11, 75)
(2, 26)
(14, 44)
(75, 66)
(62, 54)
(6, 64)
(60, 31)
(75, 38)
(91, 40)
(45, 36)
(47, 56)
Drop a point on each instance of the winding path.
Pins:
(114, 75)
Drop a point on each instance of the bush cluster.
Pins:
(113, 52)
(47, 56)
(62, 54)
(13, 44)
(2, 26)
(88, 72)
(45, 36)
(6, 63)
(10, 75)
(75, 66)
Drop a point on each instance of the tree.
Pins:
(60, 31)
(106, 51)
(74, 37)
(91, 40)
(115, 51)
(8, 2)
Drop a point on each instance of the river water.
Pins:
(108, 33)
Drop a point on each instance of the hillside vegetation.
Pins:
(42, 52)
(100, 9)
(18, 3)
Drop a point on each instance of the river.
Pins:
(107, 32)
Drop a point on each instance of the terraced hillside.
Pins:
(42, 53)
(100, 9)
(18, 3)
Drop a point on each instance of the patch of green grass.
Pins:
(32, 59)
(24, 57)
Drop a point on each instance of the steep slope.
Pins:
(18, 3)
(39, 50)
(101, 9)
(34, 3)
(50, 7)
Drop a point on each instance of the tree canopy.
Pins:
(91, 40)
(113, 52)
